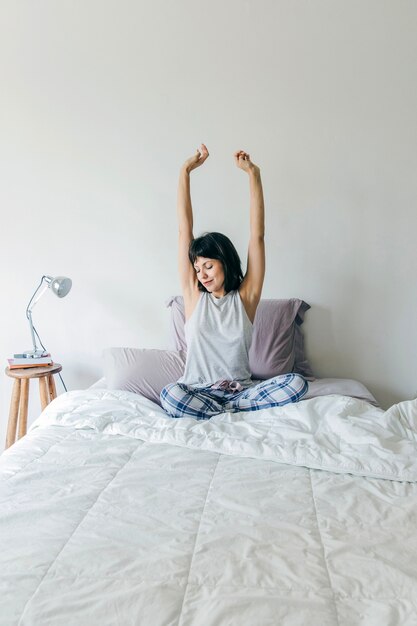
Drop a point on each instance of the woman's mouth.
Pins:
(207, 282)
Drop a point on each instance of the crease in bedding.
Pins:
(187, 585)
(323, 547)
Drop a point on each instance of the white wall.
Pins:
(102, 101)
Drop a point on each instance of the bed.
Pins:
(113, 513)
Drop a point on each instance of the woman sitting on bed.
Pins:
(220, 305)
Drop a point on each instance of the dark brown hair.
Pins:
(218, 246)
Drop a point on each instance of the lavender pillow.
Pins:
(277, 342)
(141, 370)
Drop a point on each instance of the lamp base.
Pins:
(31, 354)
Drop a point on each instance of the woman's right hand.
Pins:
(196, 160)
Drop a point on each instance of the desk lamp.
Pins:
(60, 286)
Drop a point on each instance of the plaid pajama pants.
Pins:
(181, 400)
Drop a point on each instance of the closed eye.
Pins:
(208, 267)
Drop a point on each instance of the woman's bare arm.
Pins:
(187, 273)
(251, 287)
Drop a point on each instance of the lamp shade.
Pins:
(61, 286)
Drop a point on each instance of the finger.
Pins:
(203, 151)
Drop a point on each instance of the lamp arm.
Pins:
(32, 331)
(43, 286)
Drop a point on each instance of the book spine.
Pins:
(14, 366)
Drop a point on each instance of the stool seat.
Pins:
(20, 395)
(33, 372)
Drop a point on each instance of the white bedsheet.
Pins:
(112, 513)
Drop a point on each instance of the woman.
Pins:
(220, 305)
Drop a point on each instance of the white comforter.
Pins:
(112, 513)
(334, 433)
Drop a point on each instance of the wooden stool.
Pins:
(20, 396)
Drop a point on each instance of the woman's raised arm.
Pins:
(251, 287)
(187, 274)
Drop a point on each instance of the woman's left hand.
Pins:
(242, 160)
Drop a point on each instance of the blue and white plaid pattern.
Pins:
(181, 400)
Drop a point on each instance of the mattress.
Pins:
(113, 513)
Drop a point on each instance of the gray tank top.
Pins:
(218, 336)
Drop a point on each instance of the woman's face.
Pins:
(210, 273)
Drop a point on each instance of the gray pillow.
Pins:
(341, 387)
(141, 370)
(277, 343)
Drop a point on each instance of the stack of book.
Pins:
(21, 362)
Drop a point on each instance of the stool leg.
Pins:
(43, 390)
(14, 412)
(52, 388)
(23, 407)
